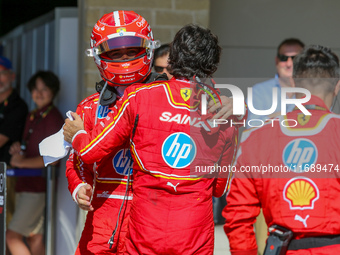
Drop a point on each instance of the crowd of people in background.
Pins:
(131, 167)
(20, 134)
(28, 219)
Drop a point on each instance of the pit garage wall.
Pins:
(250, 31)
(50, 42)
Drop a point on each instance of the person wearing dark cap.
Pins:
(13, 110)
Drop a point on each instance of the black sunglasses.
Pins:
(160, 69)
(284, 58)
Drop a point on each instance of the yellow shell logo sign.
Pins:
(186, 93)
(301, 193)
(121, 30)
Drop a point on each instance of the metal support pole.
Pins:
(50, 210)
(3, 193)
(50, 201)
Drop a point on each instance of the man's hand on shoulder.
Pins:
(225, 110)
(71, 127)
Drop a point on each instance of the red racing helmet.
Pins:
(120, 30)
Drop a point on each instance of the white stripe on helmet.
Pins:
(116, 17)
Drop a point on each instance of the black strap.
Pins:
(313, 242)
(156, 77)
(135, 126)
(109, 96)
(110, 93)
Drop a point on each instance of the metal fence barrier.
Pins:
(50, 174)
(3, 192)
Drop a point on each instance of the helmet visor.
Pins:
(122, 42)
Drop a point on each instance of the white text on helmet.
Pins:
(141, 23)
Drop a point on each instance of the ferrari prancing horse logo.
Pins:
(303, 119)
(186, 93)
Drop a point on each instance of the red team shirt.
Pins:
(40, 124)
(171, 211)
(109, 176)
(306, 202)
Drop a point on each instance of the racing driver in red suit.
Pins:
(122, 60)
(171, 210)
(300, 186)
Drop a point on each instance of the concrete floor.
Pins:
(221, 241)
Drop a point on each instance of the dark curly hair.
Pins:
(49, 78)
(161, 51)
(317, 64)
(194, 51)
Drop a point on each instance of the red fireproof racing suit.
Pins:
(304, 199)
(171, 211)
(110, 177)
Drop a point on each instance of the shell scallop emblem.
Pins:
(301, 193)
